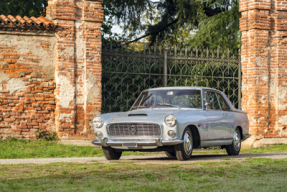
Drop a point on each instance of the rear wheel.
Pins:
(183, 151)
(235, 147)
(111, 154)
(170, 154)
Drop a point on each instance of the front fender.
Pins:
(195, 118)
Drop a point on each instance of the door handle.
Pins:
(225, 114)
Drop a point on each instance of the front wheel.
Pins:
(183, 151)
(111, 154)
(235, 147)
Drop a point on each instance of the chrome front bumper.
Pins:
(157, 142)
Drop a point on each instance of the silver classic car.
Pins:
(175, 120)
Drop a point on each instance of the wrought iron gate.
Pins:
(129, 69)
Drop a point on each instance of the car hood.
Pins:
(143, 115)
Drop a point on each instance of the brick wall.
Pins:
(27, 100)
(264, 66)
(78, 68)
(61, 89)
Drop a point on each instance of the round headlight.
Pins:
(170, 120)
(97, 122)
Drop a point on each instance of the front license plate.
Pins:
(129, 144)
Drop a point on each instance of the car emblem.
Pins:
(133, 129)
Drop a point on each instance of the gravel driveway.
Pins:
(148, 159)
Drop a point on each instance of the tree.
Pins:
(109, 16)
(200, 23)
(209, 23)
(23, 7)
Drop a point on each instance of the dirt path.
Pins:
(147, 159)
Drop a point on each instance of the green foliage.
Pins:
(11, 139)
(218, 75)
(211, 23)
(109, 14)
(121, 80)
(47, 136)
(125, 76)
(23, 7)
(221, 30)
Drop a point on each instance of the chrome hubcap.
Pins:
(236, 140)
(187, 143)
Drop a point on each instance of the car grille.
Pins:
(134, 129)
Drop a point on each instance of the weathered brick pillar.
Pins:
(264, 66)
(78, 67)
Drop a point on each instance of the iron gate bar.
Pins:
(165, 67)
(129, 69)
(203, 59)
(206, 76)
(137, 55)
(131, 73)
(172, 57)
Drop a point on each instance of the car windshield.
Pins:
(168, 98)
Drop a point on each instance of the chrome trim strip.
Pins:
(156, 142)
(234, 111)
(215, 143)
(221, 139)
(172, 142)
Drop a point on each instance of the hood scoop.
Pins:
(137, 114)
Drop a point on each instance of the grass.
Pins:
(269, 149)
(12, 149)
(253, 174)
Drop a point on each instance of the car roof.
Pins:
(179, 88)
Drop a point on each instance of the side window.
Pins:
(185, 101)
(211, 99)
(223, 103)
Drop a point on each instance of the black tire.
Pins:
(183, 151)
(235, 147)
(170, 154)
(111, 154)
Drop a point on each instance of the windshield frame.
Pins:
(201, 99)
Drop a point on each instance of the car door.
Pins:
(217, 129)
(228, 116)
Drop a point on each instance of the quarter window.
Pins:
(211, 100)
(223, 104)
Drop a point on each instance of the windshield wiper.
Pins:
(166, 104)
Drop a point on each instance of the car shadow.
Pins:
(211, 157)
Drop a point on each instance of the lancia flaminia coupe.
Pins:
(175, 120)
